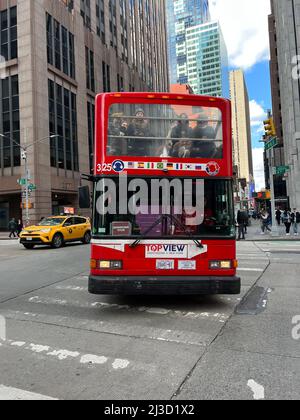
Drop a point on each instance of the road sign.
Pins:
(273, 142)
(32, 187)
(22, 181)
(281, 170)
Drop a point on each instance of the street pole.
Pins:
(275, 230)
(24, 157)
(26, 180)
(26, 189)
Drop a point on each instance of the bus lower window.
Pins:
(155, 220)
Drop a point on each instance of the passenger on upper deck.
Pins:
(203, 131)
(139, 128)
(181, 130)
(117, 127)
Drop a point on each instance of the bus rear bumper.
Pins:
(106, 285)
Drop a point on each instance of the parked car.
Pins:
(57, 231)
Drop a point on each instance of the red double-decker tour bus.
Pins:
(163, 211)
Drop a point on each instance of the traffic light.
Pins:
(270, 127)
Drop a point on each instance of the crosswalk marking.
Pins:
(15, 394)
(220, 317)
(131, 330)
(62, 354)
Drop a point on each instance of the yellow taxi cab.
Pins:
(56, 231)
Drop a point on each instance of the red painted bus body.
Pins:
(155, 137)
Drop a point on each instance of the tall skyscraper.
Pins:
(207, 60)
(181, 15)
(287, 23)
(58, 54)
(242, 148)
(279, 158)
(197, 51)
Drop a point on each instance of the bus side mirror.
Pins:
(84, 197)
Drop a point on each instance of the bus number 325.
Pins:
(106, 167)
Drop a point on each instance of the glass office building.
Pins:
(197, 51)
(181, 15)
(206, 66)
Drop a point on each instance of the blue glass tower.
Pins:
(181, 15)
(197, 51)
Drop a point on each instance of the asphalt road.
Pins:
(63, 343)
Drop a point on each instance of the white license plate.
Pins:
(187, 265)
(28, 239)
(165, 264)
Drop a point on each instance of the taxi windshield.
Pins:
(160, 130)
(52, 221)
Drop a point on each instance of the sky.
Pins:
(245, 28)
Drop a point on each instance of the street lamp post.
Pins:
(275, 228)
(24, 157)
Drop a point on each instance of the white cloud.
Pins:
(259, 170)
(245, 27)
(257, 115)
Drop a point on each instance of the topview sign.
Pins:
(175, 251)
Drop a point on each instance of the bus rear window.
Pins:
(155, 130)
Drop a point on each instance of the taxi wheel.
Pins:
(87, 238)
(57, 241)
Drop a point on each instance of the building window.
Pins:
(9, 33)
(85, 11)
(91, 131)
(9, 122)
(69, 4)
(100, 16)
(113, 24)
(124, 30)
(90, 69)
(60, 47)
(106, 77)
(63, 122)
(120, 82)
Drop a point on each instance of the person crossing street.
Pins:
(12, 227)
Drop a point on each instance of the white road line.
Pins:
(14, 394)
(62, 354)
(253, 258)
(130, 330)
(256, 270)
(257, 389)
(220, 317)
(249, 255)
(282, 250)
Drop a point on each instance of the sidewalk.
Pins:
(5, 236)
(254, 234)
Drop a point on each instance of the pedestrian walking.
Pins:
(241, 224)
(287, 221)
(19, 227)
(295, 219)
(12, 227)
(265, 222)
(278, 217)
